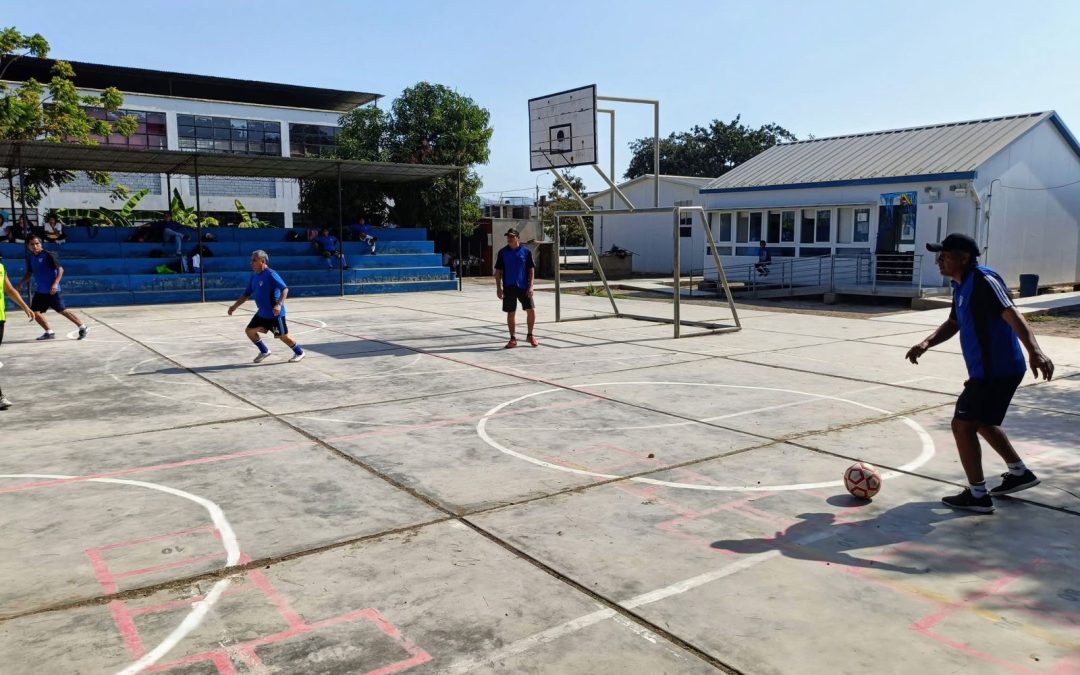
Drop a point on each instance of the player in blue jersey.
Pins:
(269, 291)
(514, 273)
(43, 267)
(991, 331)
(9, 290)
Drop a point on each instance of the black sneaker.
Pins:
(1011, 483)
(965, 500)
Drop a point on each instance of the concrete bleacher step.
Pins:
(103, 268)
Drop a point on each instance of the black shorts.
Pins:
(513, 294)
(275, 325)
(43, 302)
(987, 400)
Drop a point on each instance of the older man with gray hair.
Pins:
(269, 291)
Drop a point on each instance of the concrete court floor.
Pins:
(413, 498)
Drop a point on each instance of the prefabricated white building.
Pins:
(1013, 183)
(650, 236)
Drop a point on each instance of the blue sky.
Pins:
(824, 68)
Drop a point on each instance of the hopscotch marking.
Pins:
(926, 453)
(199, 609)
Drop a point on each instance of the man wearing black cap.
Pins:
(989, 326)
(514, 272)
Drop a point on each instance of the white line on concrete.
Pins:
(200, 608)
(926, 442)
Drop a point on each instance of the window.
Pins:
(824, 225)
(806, 227)
(686, 219)
(755, 226)
(725, 228)
(312, 140)
(742, 227)
(150, 134)
(226, 134)
(787, 226)
(862, 225)
(845, 226)
(773, 234)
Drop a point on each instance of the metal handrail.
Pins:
(830, 270)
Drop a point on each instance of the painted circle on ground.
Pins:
(199, 609)
(923, 457)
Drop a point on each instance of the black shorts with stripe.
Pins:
(987, 400)
(275, 325)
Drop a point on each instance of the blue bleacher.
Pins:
(101, 267)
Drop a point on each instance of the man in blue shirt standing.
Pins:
(514, 273)
(45, 269)
(991, 330)
(269, 291)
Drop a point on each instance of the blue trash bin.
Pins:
(1029, 285)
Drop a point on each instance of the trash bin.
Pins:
(1029, 285)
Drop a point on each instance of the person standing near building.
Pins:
(45, 269)
(991, 331)
(12, 293)
(514, 274)
(269, 291)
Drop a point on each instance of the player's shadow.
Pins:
(818, 537)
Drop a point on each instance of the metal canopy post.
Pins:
(676, 216)
(22, 193)
(460, 283)
(341, 234)
(198, 235)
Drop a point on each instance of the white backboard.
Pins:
(562, 129)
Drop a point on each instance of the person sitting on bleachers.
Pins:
(361, 231)
(54, 230)
(326, 245)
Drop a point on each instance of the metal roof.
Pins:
(37, 154)
(185, 85)
(944, 150)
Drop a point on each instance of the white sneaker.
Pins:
(4, 403)
(297, 357)
(261, 357)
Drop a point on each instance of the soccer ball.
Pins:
(862, 480)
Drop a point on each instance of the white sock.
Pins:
(82, 326)
(1017, 468)
(978, 489)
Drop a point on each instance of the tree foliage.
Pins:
(560, 199)
(706, 152)
(427, 124)
(54, 112)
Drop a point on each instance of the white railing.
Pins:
(825, 272)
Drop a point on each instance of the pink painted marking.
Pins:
(184, 602)
(101, 570)
(157, 467)
(280, 603)
(169, 566)
(125, 624)
(160, 537)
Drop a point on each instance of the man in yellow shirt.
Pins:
(14, 295)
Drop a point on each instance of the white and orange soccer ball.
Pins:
(862, 480)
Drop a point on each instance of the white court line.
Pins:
(926, 453)
(200, 608)
(574, 625)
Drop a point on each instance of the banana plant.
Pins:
(245, 216)
(104, 216)
(187, 216)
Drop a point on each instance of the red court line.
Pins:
(101, 570)
(259, 580)
(168, 566)
(125, 624)
(160, 537)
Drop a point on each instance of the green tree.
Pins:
(560, 199)
(427, 124)
(705, 152)
(52, 112)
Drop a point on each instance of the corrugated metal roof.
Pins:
(75, 157)
(957, 147)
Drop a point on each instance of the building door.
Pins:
(896, 222)
(933, 226)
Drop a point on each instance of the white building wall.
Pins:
(650, 236)
(1031, 229)
(218, 194)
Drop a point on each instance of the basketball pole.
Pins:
(656, 137)
(588, 239)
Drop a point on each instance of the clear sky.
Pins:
(825, 67)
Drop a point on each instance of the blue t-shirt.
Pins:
(265, 289)
(328, 243)
(44, 268)
(991, 348)
(513, 263)
(763, 255)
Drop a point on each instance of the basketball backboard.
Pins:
(562, 129)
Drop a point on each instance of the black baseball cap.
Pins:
(956, 243)
(512, 233)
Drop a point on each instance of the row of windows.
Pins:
(806, 226)
(221, 134)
